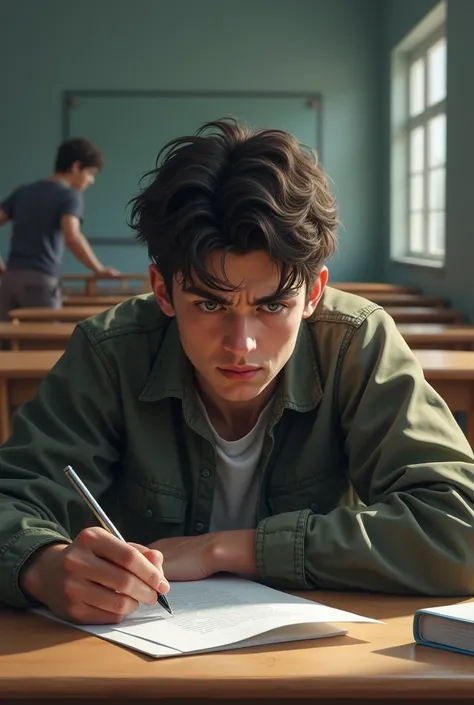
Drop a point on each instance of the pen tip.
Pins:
(164, 603)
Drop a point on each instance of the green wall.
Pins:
(257, 45)
(455, 280)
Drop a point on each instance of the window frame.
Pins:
(413, 47)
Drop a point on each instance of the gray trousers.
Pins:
(22, 288)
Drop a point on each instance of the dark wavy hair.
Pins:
(236, 190)
(78, 149)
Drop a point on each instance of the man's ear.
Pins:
(160, 290)
(76, 167)
(316, 292)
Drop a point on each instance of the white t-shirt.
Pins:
(237, 482)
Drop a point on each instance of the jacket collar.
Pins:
(172, 373)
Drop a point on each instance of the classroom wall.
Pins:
(454, 281)
(297, 45)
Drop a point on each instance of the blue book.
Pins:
(450, 627)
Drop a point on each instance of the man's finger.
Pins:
(155, 557)
(106, 546)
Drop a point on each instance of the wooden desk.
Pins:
(67, 314)
(99, 300)
(91, 281)
(105, 291)
(415, 314)
(36, 336)
(388, 299)
(451, 373)
(43, 662)
(438, 336)
(20, 375)
(363, 288)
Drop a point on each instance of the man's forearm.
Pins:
(81, 249)
(234, 552)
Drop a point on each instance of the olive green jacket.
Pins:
(368, 482)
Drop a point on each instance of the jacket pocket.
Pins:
(153, 513)
(320, 496)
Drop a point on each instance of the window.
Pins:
(418, 143)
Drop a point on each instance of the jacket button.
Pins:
(206, 473)
(148, 514)
(199, 526)
(314, 506)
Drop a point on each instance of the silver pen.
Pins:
(102, 517)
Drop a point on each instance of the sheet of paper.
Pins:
(220, 614)
(212, 613)
(276, 636)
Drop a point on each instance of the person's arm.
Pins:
(76, 418)
(411, 466)
(80, 248)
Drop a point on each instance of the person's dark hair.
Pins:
(238, 190)
(80, 150)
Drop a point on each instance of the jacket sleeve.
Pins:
(412, 469)
(74, 419)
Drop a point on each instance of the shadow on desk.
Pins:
(33, 633)
(430, 656)
(382, 606)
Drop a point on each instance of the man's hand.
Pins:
(108, 273)
(198, 557)
(97, 579)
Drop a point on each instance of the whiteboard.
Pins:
(131, 129)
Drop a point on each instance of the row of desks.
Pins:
(92, 284)
(383, 299)
(43, 662)
(417, 335)
(450, 372)
(400, 314)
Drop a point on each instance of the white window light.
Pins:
(418, 143)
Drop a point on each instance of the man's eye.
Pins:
(273, 308)
(209, 306)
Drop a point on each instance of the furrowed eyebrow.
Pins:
(276, 297)
(206, 294)
(211, 296)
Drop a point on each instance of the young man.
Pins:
(244, 418)
(45, 214)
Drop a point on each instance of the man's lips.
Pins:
(243, 372)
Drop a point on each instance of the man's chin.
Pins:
(241, 392)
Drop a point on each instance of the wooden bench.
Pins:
(108, 300)
(406, 300)
(91, 282)
(451, 374)
(36, 336)
(67, 291)
(68, 314)
(438, 336)
(413, 314)
(20, 375)
(363, 288)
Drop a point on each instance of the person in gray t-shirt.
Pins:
(45, 215)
